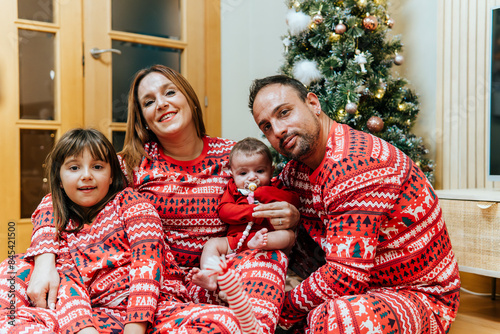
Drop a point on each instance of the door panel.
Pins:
(50, 83)
(34, 67)
(145, 41)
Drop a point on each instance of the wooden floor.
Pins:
(477, 315)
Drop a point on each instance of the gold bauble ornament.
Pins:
(398, 59)
(318, 18)
(340, 28)
(351, 108)
(370, 22)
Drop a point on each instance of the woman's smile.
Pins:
(168, 116)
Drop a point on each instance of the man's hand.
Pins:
(44, 282)
(282, 215)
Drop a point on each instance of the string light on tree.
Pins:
(333, 37)
(381, 89)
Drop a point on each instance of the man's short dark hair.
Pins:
(280, 79)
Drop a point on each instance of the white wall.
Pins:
(416, 22)
(252, 48)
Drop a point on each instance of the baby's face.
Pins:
(248, 169)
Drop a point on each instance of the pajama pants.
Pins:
(388, 312)
(262, 274)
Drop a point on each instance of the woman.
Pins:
(168, 157)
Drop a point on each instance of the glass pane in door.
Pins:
(133, 58)
(36, 74)
(118, 140)
(36, 10)
(161, 18)
(35, 145)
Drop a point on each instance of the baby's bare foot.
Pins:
(259, 240)
(189, 276)
(202, 278)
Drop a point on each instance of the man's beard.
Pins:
(305, 145)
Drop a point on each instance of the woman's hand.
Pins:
(282, 215)
(44, 282)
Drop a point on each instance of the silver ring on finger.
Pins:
(281, 223)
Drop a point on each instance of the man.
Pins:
(389, 264)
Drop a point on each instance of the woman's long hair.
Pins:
(137, 134)
(73, 143)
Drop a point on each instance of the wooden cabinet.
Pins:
(473, 221)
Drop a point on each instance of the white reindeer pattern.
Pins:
(369, 249)
(146, 269)
(362, 308)
(428, 198)
(368, 324)
(345, 247)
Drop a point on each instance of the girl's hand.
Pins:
(282, 215)
(44, 282)
(88, 330)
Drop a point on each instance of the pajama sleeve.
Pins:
(351, 221)
(150, 257)
(234, 209)
(237, 210)
(278, 193)
(42, 237)
(73, 307)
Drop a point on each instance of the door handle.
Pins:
(96, 52)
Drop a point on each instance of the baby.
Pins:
(250, 162)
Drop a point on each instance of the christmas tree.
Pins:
(343, 52)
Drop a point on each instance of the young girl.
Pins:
(250, 162)
(112, 257)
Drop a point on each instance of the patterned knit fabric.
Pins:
(230, 283)
(116, 266)
(186, 195)
(389, 263)
(235, 210)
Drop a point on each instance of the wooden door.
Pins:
(50, 82)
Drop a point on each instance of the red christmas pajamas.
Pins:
(186, 195)
(389, 263)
